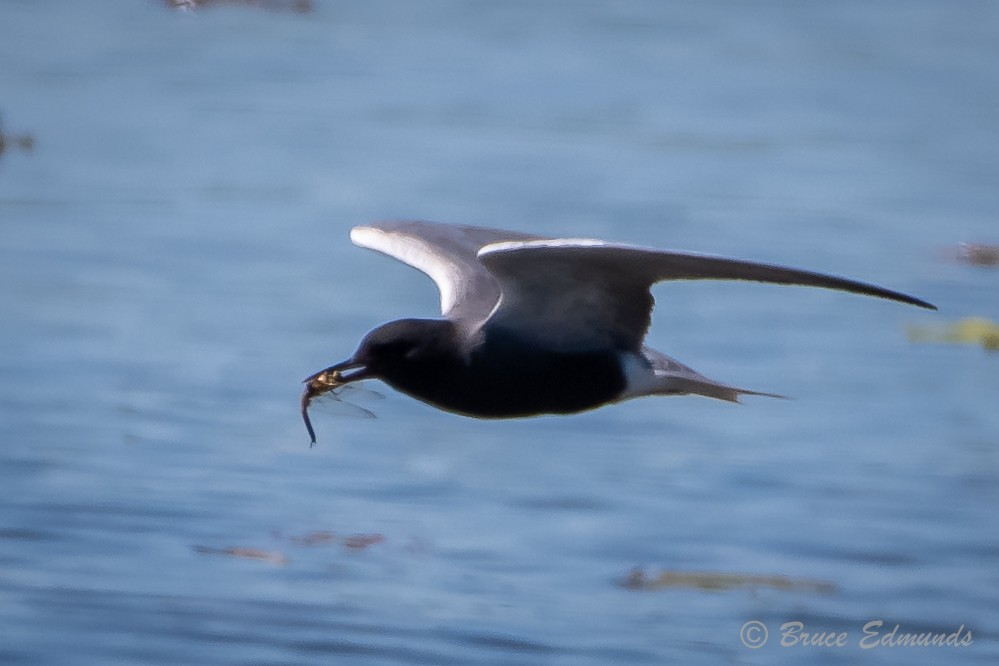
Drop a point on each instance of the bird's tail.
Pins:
(707, 387)
(674, 378)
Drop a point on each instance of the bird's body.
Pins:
(535, 325)
(478, 379)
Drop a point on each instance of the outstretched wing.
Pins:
(581, 293)
(448, 254)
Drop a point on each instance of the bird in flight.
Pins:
(533, 325)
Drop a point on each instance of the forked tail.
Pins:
(670, 377)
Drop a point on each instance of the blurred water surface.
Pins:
(174, 260)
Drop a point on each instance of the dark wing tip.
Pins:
(903, 298)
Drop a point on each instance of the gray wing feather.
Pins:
(586, 293)
(448, 254)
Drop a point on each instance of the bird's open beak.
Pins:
(324, 381)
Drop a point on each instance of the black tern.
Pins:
(534, 325)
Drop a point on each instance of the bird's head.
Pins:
(396, 347)
(396, 352)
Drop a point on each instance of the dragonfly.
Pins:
(329, 386)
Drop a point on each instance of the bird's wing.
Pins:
(448, 254)
(582, 293)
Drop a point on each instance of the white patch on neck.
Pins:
(640, 379)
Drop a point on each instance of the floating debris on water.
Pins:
(977, 254)
(317, 538)
(25, 142)
(971, 330)
(273, 557)
(361, 541)
(329, 538)
(297, 6)
(716, 581)
(353, 542)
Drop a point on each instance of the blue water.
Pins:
(174, 260)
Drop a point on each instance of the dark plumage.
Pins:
(535, 325)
